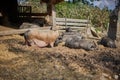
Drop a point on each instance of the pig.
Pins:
(36, 23)
(41, 39)
(107, 42)
(39, 22)
(77, 43)
(65, 35)
(68, 29)
(26, 25)
(59, 39)
(42, 22)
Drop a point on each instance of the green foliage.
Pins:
(99, 18)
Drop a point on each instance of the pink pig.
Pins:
(39, 38)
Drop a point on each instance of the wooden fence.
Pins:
(72, 22)
(75, 24)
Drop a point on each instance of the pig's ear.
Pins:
(62, 33)
(52, 28)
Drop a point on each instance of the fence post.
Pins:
(53, 16)
(65, 22)
(118, 26)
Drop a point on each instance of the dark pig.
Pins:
(107, 42)
(78, 43)
(59, 39)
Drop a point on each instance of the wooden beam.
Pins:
(73, 20)
(72, 24)
(53, 15)
(20, 31)
(33, 14)
(49, 9)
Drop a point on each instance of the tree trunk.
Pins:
(114, 24)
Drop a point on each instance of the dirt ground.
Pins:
(19, 62)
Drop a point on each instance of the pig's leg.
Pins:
(27, 42)
(40, 43)
(52, 44)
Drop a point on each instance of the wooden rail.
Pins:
(72, 22)
(32, 14)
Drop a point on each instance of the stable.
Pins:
(12, 12)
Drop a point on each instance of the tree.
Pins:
(114, 27)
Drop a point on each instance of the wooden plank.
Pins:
(72, 20)
(72, 27)
(53, 16)
(3, 28)
(72, 24)
(60, 19)
(76, 27)
(32, 14)
(19, 31)
(11, 32)
(78, 20)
